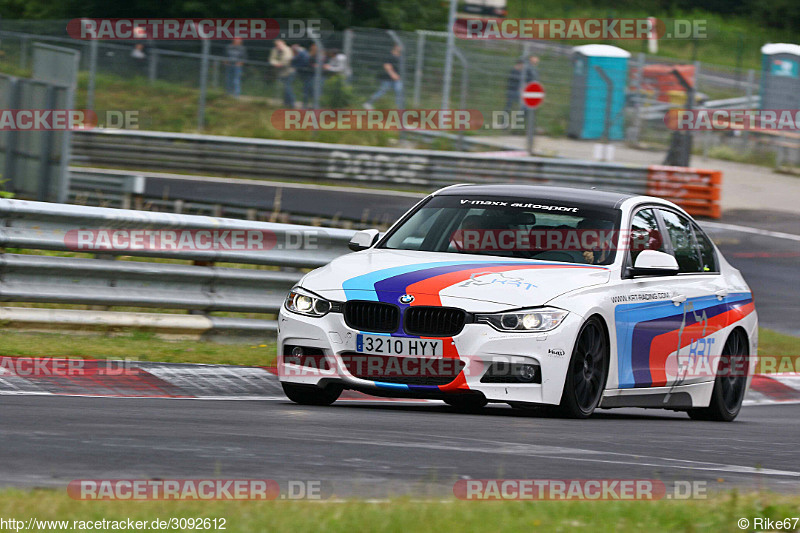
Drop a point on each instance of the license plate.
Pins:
(385, 345)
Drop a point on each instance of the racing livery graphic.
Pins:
(651, 317)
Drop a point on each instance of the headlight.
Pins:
(305, 303)
(540, 319)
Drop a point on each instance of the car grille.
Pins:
(371, 316)
(402, 370)
(434, 321)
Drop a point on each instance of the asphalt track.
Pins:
(765, 247)
(377, 450)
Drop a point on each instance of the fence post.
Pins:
(749, 92)
(201, 105)
(697, 73)
(636, 130)
(464, 84)
(23, 52)
(318, 71)
(9, 170)
(347, 49)
(418, 67)
(46, 150)
(530, 114)
(152, 67)
(215, 73)
(93, 44)
(606, 148)
(448, 56)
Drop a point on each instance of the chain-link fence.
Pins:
(483, 77)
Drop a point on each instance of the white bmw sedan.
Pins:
(527, 295)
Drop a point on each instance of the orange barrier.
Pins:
(659, 80)
(696, 190)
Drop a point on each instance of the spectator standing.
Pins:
(390, 79)
(138, 53)
(304, 63)
(280, 58)
(514, 85)
(336, 63)
(519, 76)
(532, 69)
(235, 54)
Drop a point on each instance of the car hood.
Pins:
(467, 281)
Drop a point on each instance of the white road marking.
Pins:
(572, 454)
(755, 231)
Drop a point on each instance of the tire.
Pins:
(728, 393)
(311, 394)
(467, 402)
(587, 371)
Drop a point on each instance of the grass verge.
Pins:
(147, 347)
(136, 346)
(718, 513)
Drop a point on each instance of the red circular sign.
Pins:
(533, 94)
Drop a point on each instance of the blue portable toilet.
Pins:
(590, 93)
(780, 76)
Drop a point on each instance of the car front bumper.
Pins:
(478, 346)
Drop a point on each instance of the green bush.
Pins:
(337, 94)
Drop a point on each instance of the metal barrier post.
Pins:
(46, 149)
(749, 88)
(23, 53)
(530, 114)
(636, 130)
(448, 58)
(93, 44)
(152, 67)
(9, 172)
(318, 72)
(464, 84)
(609, 94)
(215, 73)
(420, 60)
(201, 105)
(347, 50)
(605, 148)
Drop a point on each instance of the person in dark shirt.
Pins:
(235, 54)
(390, 79)
(304, 63)
(532, 69)
(516, 83)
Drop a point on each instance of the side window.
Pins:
(707, 254)
(644, 233)
(684, 245)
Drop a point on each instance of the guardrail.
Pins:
(272, 201)
(199, 284)
(365, 166)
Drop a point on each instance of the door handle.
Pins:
(678, 299)
(722, 293)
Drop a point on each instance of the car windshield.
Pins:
(528, 228)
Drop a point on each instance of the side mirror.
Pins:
(654, 263)
(363, 239)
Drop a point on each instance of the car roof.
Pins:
(569, 195)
